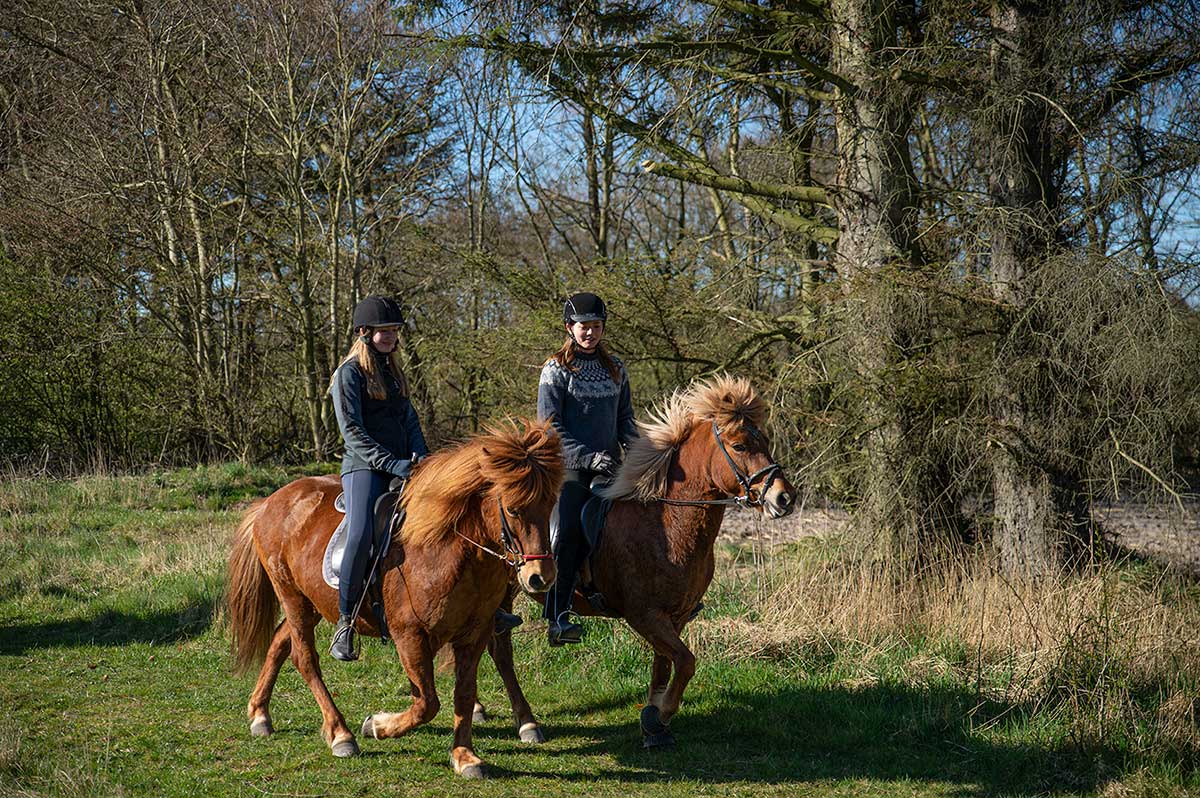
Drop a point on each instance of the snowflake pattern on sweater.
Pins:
(591, 412)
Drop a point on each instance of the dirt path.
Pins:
(1164, 533)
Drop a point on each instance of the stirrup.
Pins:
(561, 633)
(342, 647)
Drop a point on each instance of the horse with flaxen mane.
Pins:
(472, 512)
(704, 450)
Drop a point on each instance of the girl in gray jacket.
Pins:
(383, 441)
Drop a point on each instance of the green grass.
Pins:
(114, 680)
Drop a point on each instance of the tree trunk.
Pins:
(1036, 505)
(875, 206)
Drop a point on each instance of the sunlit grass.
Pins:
(814, 677)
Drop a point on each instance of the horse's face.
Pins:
(530, 526)
(750, 451)
(525, 470)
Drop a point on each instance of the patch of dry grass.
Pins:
(1114, 650)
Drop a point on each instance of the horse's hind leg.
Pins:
(302, 618)
(501, 651)
(259, 709)
(416, 656)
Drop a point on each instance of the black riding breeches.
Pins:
(570, 548)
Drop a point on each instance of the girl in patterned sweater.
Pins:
(585, 391)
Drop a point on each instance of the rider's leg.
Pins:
(361, 489)
(570, 550)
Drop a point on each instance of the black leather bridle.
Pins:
(513, 555)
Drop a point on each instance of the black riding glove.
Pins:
(603, 462)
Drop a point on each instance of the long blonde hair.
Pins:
(565, 357)
(362, 352)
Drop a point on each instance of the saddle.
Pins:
(389, 518)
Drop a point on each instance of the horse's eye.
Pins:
(511, 512)
(739, 447)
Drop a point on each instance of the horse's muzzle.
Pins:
(779, 501)
(537, 576)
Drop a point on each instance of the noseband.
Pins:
(750, 497)
(513, 556)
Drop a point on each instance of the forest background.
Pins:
(953, 243)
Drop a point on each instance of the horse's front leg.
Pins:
(660, 676)
(466, 672)
(416, 655)
(501, 651)
(684, 662)
(662, 635)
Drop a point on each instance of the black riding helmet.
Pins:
(377, 311)
(583, 307)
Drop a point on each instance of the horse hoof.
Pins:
(344, 748)
(473, 772)
(261, 728)
(655, 733)
(479, 715)
(368, 727)
(662, 740)
(652, 721)
(531, 733)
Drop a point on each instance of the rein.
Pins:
(512, 556)
(750, 497)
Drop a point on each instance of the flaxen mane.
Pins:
(724, 399)
(519, 467)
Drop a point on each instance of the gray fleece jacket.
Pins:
(380, 434)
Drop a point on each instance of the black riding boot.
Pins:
(504, 622)
(570, 550)
(559, 627)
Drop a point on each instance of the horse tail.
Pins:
(253, 604)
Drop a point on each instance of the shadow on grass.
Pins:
(793, 734)
(110, 628)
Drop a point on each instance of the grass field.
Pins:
(813, 678)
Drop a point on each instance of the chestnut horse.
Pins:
(703, 451)
(472, 512)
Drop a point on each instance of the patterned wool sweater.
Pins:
(590, 411)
